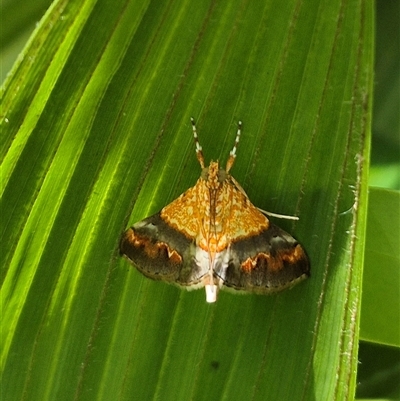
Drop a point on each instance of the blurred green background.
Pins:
(385, 154)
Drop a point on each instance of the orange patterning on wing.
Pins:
(214, 212)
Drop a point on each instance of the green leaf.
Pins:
(96, 135)
(380, 319)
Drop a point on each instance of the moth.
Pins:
(212, 236)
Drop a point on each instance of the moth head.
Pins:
(214, 175)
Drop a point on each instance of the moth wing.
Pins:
(267, 262)
(162, 253)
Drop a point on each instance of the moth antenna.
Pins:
(232, 153)
(199, 149)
